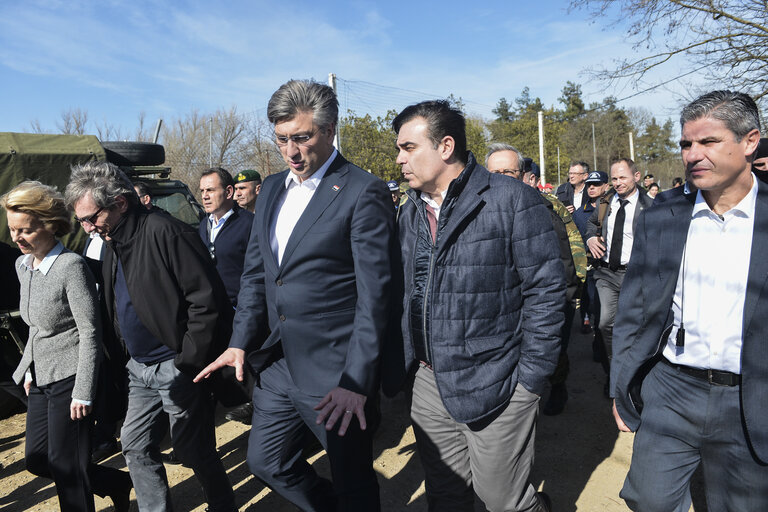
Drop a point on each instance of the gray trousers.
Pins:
(608, 283)
(155, 391)
(493, 460)
(686, 422)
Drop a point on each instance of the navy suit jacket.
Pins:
(644, 315)
(327, 303)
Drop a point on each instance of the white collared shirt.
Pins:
(94, 248)
(712, 285)
(48, 260)
(291, 206)
(431, 202)
(215, 226)
(578, 197)
(629, 216)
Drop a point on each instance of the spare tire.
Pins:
(134, 153)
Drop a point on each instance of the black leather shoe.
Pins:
(556, 402)
(243, 414)
(170, 458)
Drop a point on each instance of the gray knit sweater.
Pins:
(61, 309)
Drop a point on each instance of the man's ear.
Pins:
(122, 204)
(230, 190)
(752, 140)
(447, 148)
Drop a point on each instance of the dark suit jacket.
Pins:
(327, 303)
(644, 201)
(645, 312)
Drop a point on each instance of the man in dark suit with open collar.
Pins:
(317, 274)
(692, 324)
(610, 236)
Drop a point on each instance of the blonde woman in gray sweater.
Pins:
(62, 355)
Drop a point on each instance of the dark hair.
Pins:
(442, 119)
(142, 189)
(584, 165)
(677, 181)
(652, 185)
(630, 163)
(737, 110)
(224, 176)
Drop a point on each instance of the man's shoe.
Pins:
(170, 458)
(242, 414)
(545, 503)
(556, 402)
(104, 451)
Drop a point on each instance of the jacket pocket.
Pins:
(477, 346)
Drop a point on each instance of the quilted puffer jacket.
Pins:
(484, 304)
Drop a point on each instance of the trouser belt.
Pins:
(717, 377)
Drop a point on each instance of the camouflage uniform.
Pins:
(578, 250)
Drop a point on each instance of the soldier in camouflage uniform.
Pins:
(505, 159)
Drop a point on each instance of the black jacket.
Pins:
(229, 248)
(173, 284)
(486, 301)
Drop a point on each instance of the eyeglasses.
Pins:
(91, 218)
(575, 173)
(299, 140)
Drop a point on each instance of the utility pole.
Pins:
(210, 142)
(541, 148)
(594, 148)
(559, 178)
(631, 147)
(157, 130)
(332, 84)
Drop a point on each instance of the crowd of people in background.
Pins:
(301, 297)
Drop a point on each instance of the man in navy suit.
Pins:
(691, 327)
(317, 275)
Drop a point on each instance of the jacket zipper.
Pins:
(427, 287)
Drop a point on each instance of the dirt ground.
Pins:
(581, 458)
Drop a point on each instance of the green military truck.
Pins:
(48, 159)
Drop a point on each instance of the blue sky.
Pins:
(118, 58)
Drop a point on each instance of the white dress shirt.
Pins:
(216, 225)
(578, 197)
(431, 202)
(711, 286)
(292, 204)
(629, 217)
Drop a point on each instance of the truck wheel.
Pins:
(134, 153)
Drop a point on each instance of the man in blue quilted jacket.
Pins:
(484, 290)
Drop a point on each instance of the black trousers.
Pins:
(282, 417)
(59, 448)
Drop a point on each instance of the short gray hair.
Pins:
(495, 147)
(103, 180)
(298, 96)
(737, 110)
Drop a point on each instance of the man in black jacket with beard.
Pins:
(169, 308)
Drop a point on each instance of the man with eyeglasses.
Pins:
(571, 193)
(167, 307)
(317, 277)
(505, 159)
